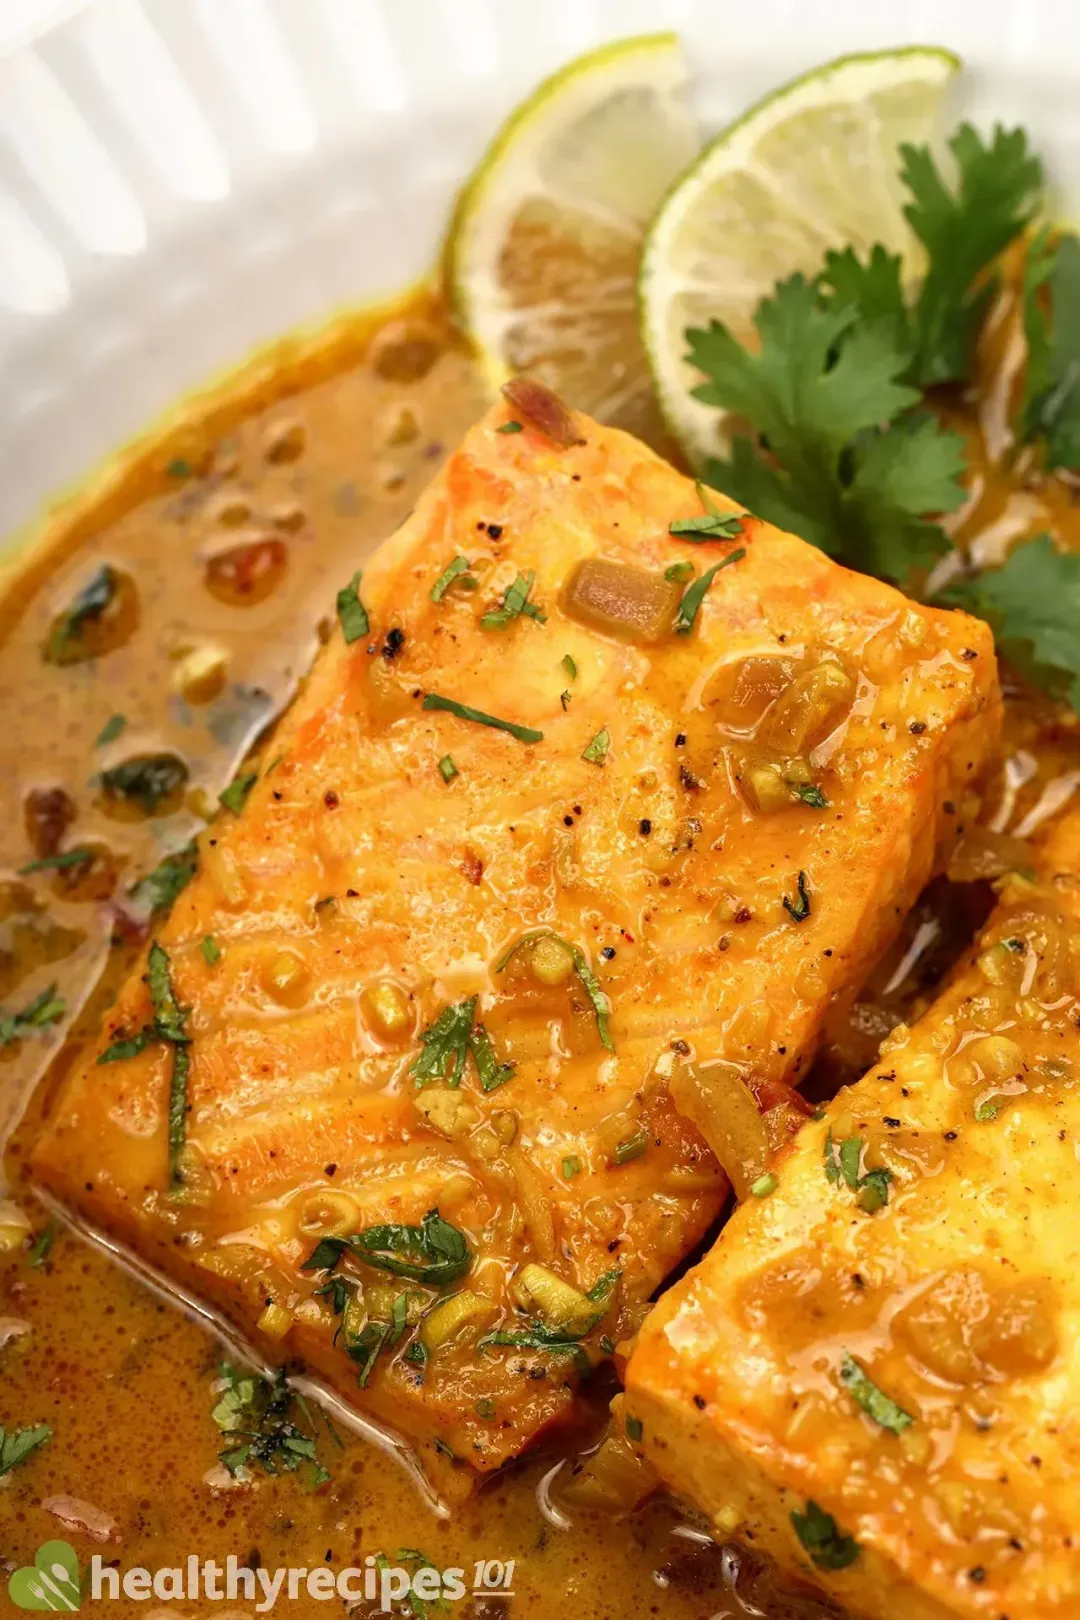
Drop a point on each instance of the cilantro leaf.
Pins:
(456, 569)
(598, 996)
(258, 1413)
(236, 794)
(1051, 305)
(67, 643)
(1033, 603)
(445, 1044)
(515, 604)
(878, 1406)
(875, 288)
(158, 890)
(492, 1073)
(837, 453)
(45, 1009)
(828, 1546)
(17, 1444)
(351, 612)
(998, 192)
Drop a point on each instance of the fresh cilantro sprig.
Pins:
(1051, 310)
(839, 450)
(17, 1444)
(1033, 604)
(256, 1414)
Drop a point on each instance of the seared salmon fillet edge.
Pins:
(516, 863)
(885, 1398)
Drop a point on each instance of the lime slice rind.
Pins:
(543, 249)
(812, 166)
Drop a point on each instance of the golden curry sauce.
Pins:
(228, 533)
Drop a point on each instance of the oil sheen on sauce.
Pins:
(228, 532)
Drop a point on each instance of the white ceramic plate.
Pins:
(182, 180)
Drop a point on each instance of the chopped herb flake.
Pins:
(130, 1046)
(145, 779)
(709, 526)
(445, 1045)
(112, 728)
(211, 950)
(601, 1003)
(65, 644)
(56, 863)
(493, 1074)
(873, 1401)
(236, 794)
(634, 1429)
(447, 769)
(509, 427)
(257, 1416)
(44, 1010)
(810, 794)
(434, 1252)
(564, 699)
(571, 1167)
(843, 1161)
(17, 1444)
(632, 1147)
(569, 666)
(515, 604)
(828, 1547)
(695, 593)
(457, 569)
(42, 1246)
(597, 750)
(799, 908)
(159, 889)
(680, 571)
(351, 612)
(524, 734)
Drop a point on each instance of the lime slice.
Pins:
(544, 247)
(813, 166)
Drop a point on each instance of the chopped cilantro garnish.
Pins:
(434, 1252)
(515, 604)
(631, 1147)
(810, 794)
(764, 1185)
(571, 1167)
(828, 1546)
(159, 889)
(601, 1004)
(236, 794)
(352, 614)
(569, 666)
(45, 1009)
(597, 750)
(842, 1163)
(457, 569)
(708, 526)
(564, 699)
(695, 593)
(445, 1045)
(130, 1046)
(998, 191)
(145, 779)
(17, 1444)
(42, 1246)
(211, 950)
(799, 908)
(509, 427)
(985, 1111)
(634, 1429)
(1051, 301)
(525, 734)
(447, 769)
(112, 728)
(679, 571)
(493, 1074)
(1032, 603)
(56, 863)
(257, 1416)
(874, 1402)
(485, 1409)
(65, 644)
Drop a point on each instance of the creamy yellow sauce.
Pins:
(233, 529)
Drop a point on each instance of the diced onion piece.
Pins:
(286, 979)
(451, 1315)
(809, 709)
(634, 604)
(558, 1302)
(446, 1110)
(767, 789)
(552, 960)
(15, 1227)
(720, 1103)
(616, 1477)
(223, 870)
(387, 1009)
(275, 1321)
(543, 409)
(982, 854)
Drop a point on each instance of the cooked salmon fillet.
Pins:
(521, 848)
(885, 1393)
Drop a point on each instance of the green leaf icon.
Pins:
(51, 1584)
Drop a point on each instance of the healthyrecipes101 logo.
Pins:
(52, 1583)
